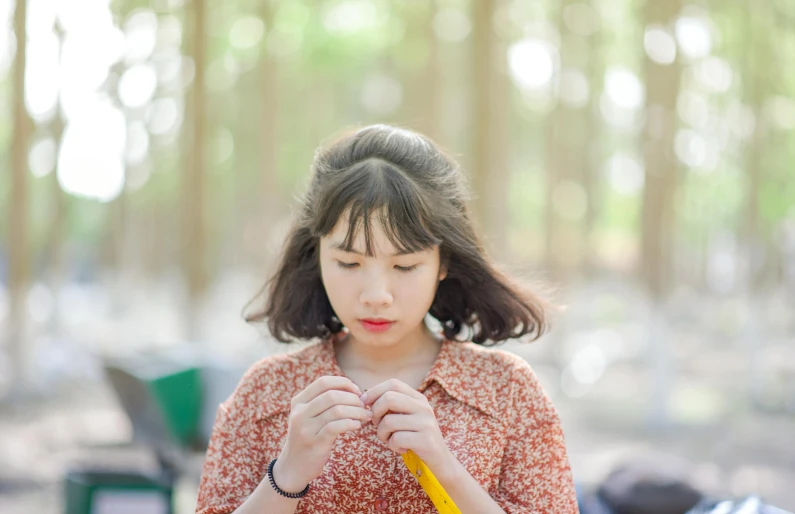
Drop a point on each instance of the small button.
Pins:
(381, 503)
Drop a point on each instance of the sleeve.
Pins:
(535, 477)
(240, 448)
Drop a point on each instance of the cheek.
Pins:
(335, 280)
(418, 291)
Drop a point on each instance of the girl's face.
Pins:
(381, 299)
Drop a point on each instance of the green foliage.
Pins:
(322, 54)
(712, 202)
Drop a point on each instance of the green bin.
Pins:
(179, 396)
(163, 400)
(101, 491)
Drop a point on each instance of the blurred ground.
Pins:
(750, 455)
(604, 378)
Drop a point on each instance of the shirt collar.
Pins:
(458, 369)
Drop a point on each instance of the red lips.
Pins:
(376, 324)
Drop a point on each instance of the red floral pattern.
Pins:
(491, 409)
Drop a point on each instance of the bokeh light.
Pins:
(659, 44)
(532, 63)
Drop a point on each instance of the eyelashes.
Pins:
(353, 265)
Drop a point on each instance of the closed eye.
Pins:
(405, 269)
(347, 265)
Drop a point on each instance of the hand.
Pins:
(406, 421)
(328, 407)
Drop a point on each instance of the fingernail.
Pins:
(369, 414)
(363, 397)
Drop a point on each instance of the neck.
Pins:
(418, 348)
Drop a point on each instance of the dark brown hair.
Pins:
(418, 194)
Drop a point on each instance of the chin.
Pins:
(384, 339)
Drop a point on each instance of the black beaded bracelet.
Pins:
(294, 496)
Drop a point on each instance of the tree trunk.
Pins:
(591, 160)
(569, 165)
(19, 246)
(269, 95)
(59, 213)
(491, 92)
(662, 89)
(424, 91)
(755, 69)
(758, 251)
(194, 251)
(550, 218)
(57, 229)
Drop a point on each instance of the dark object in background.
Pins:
(648, 488)
(657, 487)
(590, 503)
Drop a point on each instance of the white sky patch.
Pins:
(694, 36)
(90, 162)
(532, 63)
(624, 88)
(659, 44)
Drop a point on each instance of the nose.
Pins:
(376, 291)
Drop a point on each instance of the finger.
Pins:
(336, 412)
(392, 423)
(393, 384)
(401, 442)
(324, 384)
(334, 428)
(392, 401)
(330, 398)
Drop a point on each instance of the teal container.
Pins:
(97, 491)
(179, 396)
(162, 398)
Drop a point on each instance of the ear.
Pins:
(442, 272)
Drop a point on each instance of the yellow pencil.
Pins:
(444, 504)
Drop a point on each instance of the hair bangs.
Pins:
(375, 191)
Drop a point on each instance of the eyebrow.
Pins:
(341, 246)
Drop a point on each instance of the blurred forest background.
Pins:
(637, 155)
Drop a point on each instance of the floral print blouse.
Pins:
(491, 409)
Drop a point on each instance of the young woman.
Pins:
(383, 239)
